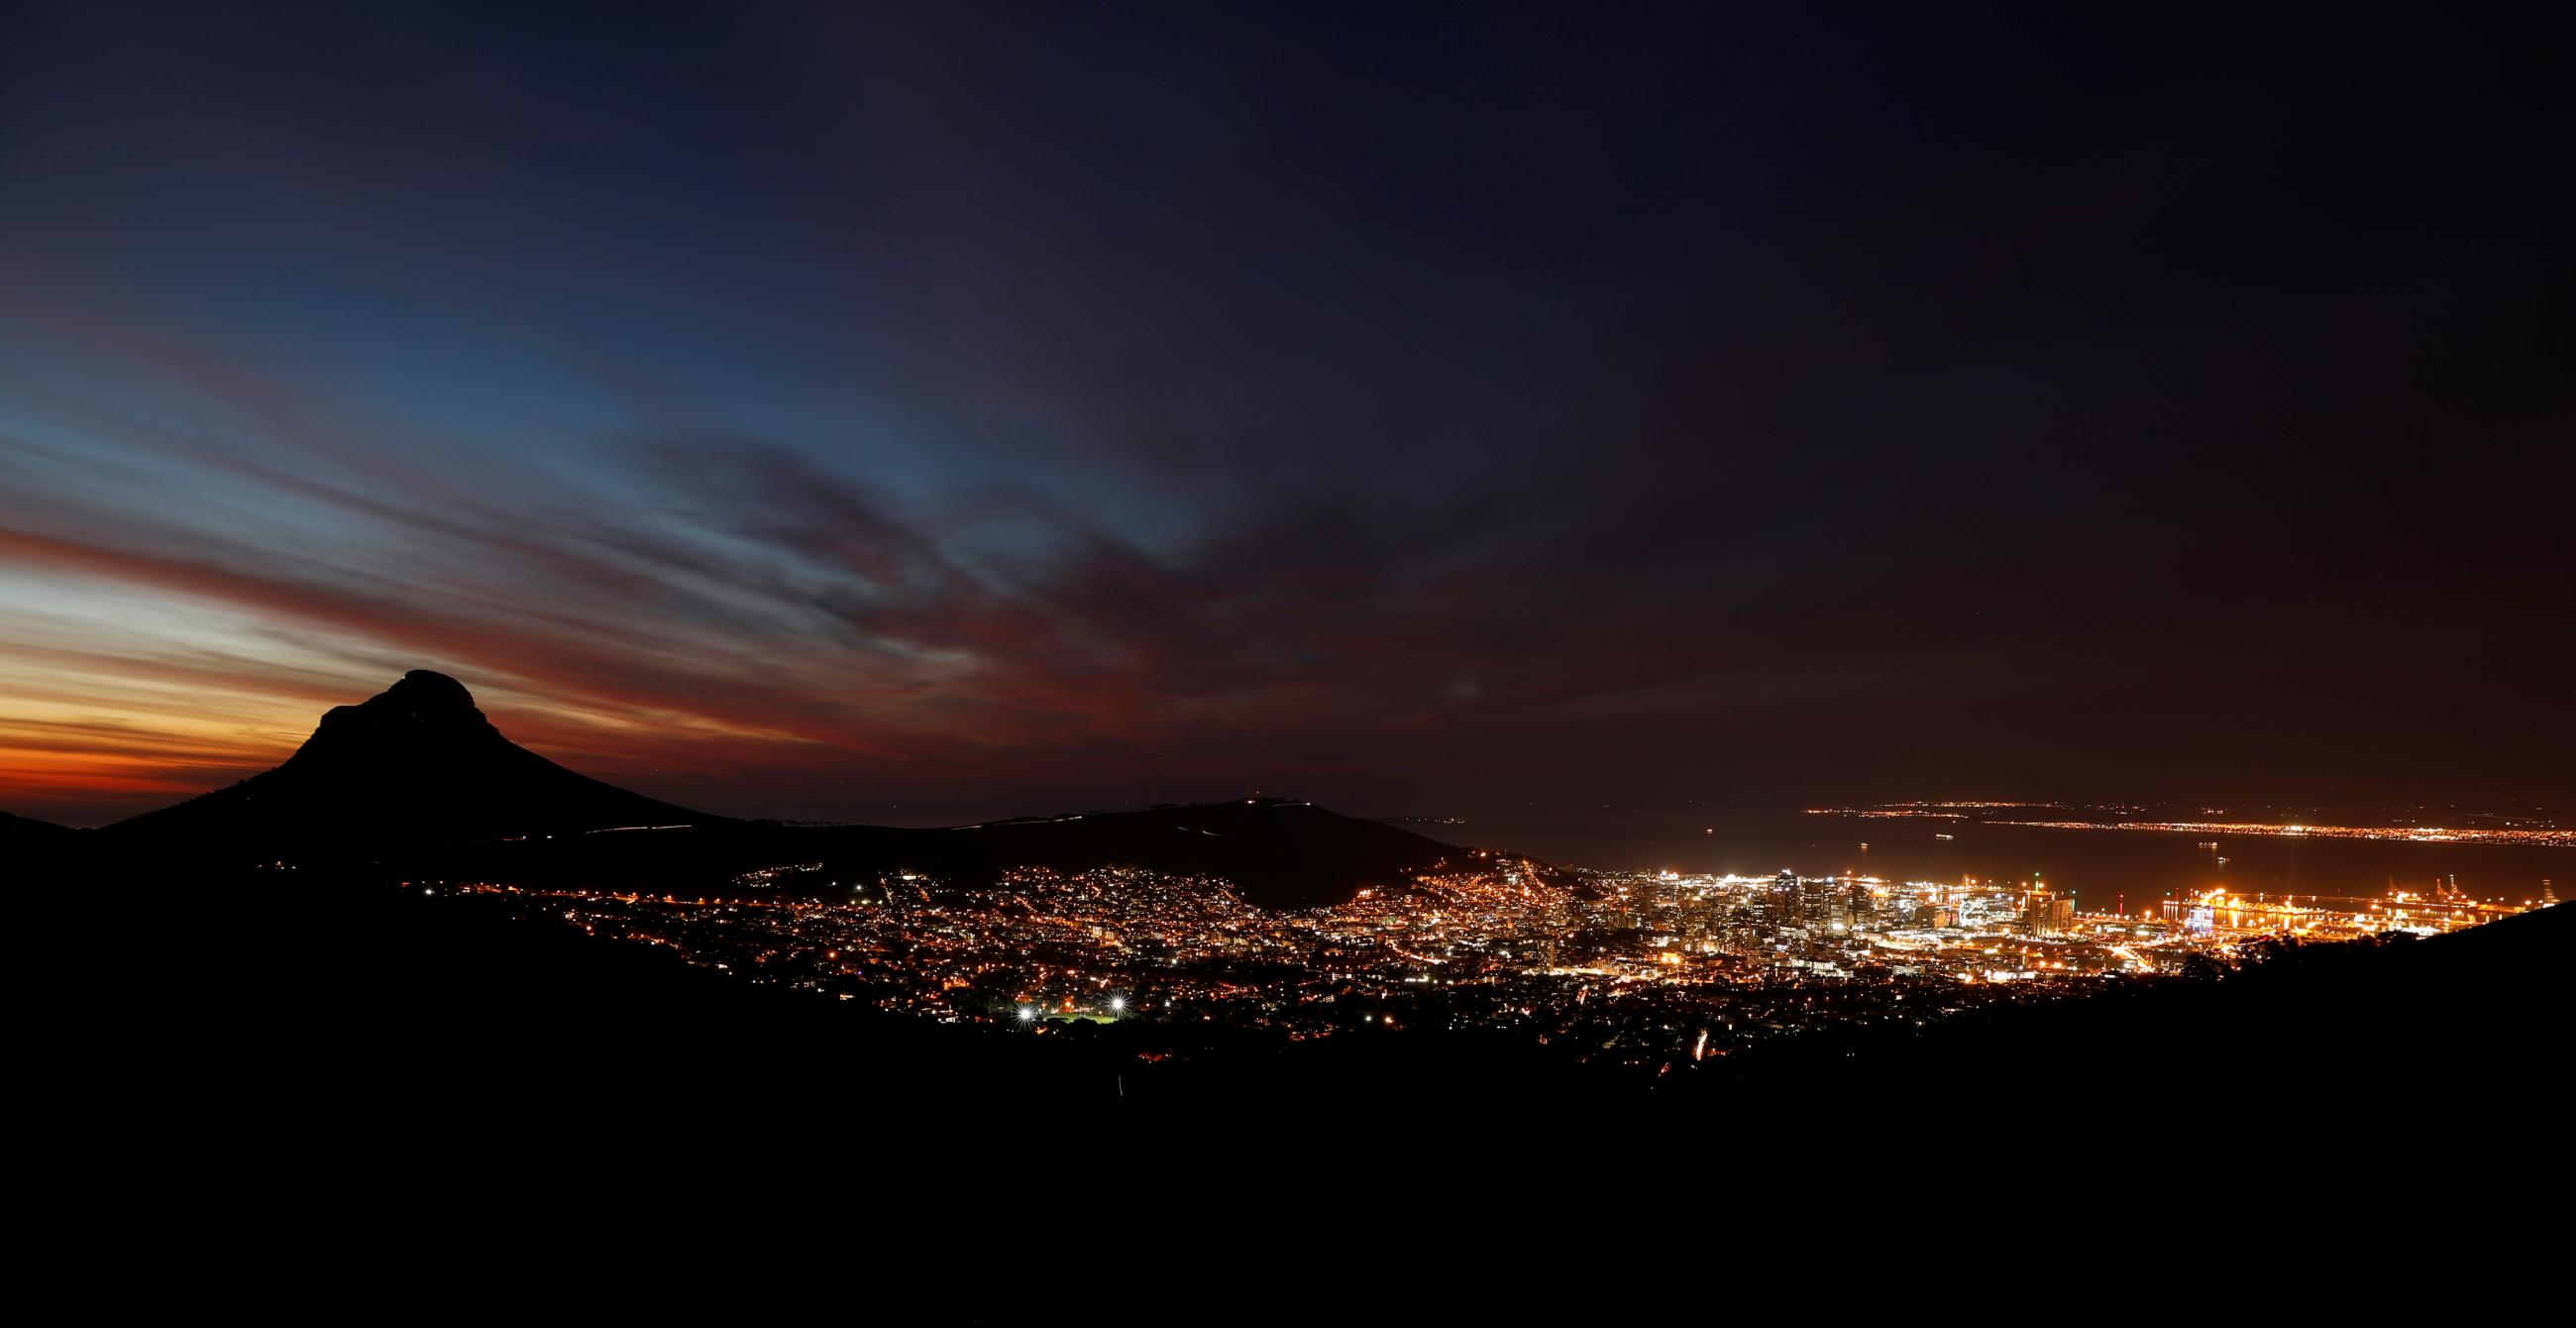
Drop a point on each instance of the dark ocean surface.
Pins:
(2101, 867)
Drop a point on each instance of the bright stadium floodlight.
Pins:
(1027, 1013)
(1117, 1005)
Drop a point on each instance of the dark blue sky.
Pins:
(895, 411)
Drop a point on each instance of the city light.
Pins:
(1632, 967)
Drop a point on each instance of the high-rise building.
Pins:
(2046, 915)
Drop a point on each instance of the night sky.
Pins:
(902, 412)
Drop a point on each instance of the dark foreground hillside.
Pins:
(284, 986)
(350, 999)
(368, 1060)
(2398, 1034)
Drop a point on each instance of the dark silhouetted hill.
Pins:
(2465, 1027)
(416, 765)
(12, 827)
(418, 781)
(317, 988)
(1279, 854)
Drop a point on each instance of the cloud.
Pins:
(724, 606)
(817, 410)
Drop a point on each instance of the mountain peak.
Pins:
(415, 763)
(424, 687)
(418, 698)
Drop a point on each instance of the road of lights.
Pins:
(2421, 834)
(2529, 836)
(1635, 968)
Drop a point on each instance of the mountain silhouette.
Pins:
(417, 778)
(1278, 852)
(12, 826)
(417, 764)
